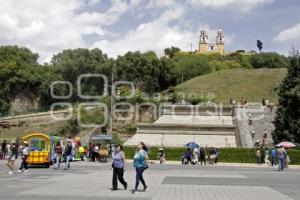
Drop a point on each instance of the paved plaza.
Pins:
(93, 181)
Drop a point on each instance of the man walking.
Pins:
(67, 155)
(25, 153)
(281, 158)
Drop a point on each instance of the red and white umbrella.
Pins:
(286, 145)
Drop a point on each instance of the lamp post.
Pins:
(111, 103)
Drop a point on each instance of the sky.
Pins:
(116, 26)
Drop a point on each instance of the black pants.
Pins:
(24, 163)
(3, 154)
(118, 173)
(202, 160)
(139, 177)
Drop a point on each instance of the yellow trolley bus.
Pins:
(40, 149)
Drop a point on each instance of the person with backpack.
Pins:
(140, 165)
(118, 166)
(67, 155)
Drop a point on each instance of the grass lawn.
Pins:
(252, 84)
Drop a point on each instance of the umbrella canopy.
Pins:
(286, 145)
(192, 145)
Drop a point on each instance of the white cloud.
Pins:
(161, 4)
(93, 2)
(238, 5)
(154, 35)
(48, 27)
(289, 35)
(157, 35)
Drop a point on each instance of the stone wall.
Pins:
(24, 102)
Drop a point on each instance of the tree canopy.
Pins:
(287, 122)
(20, 71)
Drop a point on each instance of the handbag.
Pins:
(146, 166)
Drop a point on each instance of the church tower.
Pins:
(203, 43)
(220, 42)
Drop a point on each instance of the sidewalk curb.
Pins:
(220, 164)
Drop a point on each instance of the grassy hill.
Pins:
(253, 84)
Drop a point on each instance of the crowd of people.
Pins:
(197, 156)
(98, 153)
(194, 156)
(12, 151)
(273, 157)
(244, 102)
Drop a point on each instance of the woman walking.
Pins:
(12, 155)
(118, 167)
(140, 165)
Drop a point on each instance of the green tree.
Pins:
(287, 122)
(171, 52)
(269, 60)
(242, 59)
(73, 63)
(146, 70)
(20, 72)
(191, 65)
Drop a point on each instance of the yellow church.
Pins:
(206, 46)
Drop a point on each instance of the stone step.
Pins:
(197, 109)
(181, 132)
(205, 113)
(195, 120)
(186, 127)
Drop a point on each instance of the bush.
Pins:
(221, 65)
(227, 155)
(130, 128)
(269, 60)
(116, 139)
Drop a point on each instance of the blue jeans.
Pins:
(67, 162)
(139, 177)
(57, 158)
(281, 164)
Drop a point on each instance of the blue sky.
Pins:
(118, 26)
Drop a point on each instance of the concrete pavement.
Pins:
(93, 181)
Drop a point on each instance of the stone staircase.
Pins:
(262, 118)
(180, 124)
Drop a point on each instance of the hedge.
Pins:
(227, 155)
